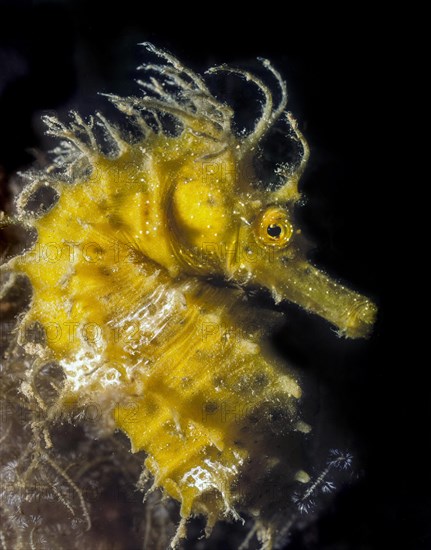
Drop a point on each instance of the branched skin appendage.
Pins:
(123, 275)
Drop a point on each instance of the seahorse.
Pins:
(141, 275)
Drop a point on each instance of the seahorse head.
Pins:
(222, 220)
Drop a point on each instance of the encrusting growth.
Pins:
(139, 275)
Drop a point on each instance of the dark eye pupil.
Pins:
(273, 230)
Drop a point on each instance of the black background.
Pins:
(338, 65)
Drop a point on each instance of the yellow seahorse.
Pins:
(139, 276)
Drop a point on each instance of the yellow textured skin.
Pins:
(123, 274)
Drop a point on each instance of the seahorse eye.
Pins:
(274, 228)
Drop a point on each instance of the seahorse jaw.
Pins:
(361, 320)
